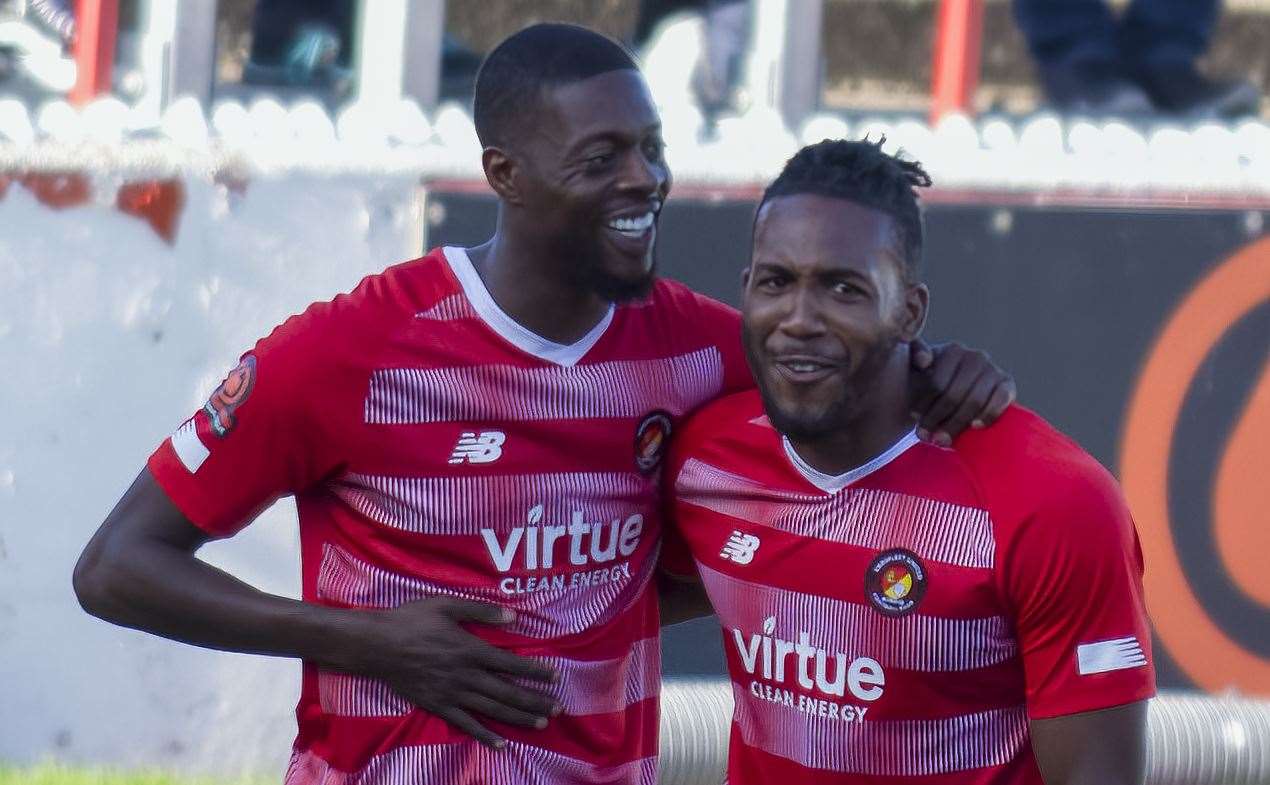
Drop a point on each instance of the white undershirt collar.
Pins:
(830, 483)
(508, 328)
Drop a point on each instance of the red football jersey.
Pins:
(906, 619)
(436, 447)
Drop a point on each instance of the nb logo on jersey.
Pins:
(740, 548)
(485, 447)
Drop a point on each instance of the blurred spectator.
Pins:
(727, 35)
(55, 16)
(1092, 61)
(36, 38)
(302, 43)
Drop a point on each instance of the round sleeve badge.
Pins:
(895, 582)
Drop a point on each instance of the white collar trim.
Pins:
(508, 328)
(830, 483)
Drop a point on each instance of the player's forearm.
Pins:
(167, 592)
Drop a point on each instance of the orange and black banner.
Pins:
(1144, 333)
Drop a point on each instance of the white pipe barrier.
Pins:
(1192, 739)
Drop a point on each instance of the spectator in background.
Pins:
(55, 16)
(726, 36)
(1092, 61)
(302, 43)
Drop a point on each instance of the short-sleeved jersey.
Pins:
(904, 621)
(437, 448)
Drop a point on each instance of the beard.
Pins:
(811, 421)
(618, 290)
(586, 271)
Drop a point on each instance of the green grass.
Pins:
(58, 774)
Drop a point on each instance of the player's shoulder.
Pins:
(378, 303)
(731, 422)
(672, 300)
(1025, 466)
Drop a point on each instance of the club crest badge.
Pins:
(895, 582)
(652, 437)
(229, 396)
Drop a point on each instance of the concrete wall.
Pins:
(109, 337)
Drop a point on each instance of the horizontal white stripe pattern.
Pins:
(914, 642)
(1110, 655)
(903, 748)
(346, 695)
(465, 505)
(585, 687)
(468, 763)
(345, 579)
(864, 517)
(503, 393)
(450, 309)
(188, 447)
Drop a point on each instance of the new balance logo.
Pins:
(740, 548)
(485, 447)
(1113, 655)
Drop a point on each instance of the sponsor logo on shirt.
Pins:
(485, 447)
(740, 548)
(1110, 655)
(558, 550)
(229, 396)
(651, 439)
(895, 582)
(786, 671)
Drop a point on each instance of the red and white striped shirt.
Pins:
(436, 447)
(904, 621)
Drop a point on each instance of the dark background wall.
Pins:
(1070, 300)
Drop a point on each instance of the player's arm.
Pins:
(956, 389)
(1072, 573)
(140, 571)
(681, 598)
(1105, 747)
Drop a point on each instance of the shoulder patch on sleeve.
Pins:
(1110, 655)
(230, 395)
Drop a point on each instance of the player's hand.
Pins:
(429, 659)
(958, 388)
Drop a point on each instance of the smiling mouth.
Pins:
(805, 370)
(633, 227)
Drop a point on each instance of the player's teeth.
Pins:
(632, 224)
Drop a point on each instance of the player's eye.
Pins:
(848, 289)
(773, 282)
(599, 160)
(655, 149)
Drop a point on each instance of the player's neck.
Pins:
(881, 420)
(522, 280)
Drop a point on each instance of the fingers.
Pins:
(972, 408)
(934, 380)
(496, 659)
(461, 720)
(516, 696)
(921, 354)
(502, 712)
(479, 612)
(951, 398)
(1002, 396)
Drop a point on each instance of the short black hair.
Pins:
(860, 171)
(541, 57)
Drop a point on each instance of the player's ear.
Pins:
(916, 307)
(500, 172)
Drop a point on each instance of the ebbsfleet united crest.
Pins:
(895, 582)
